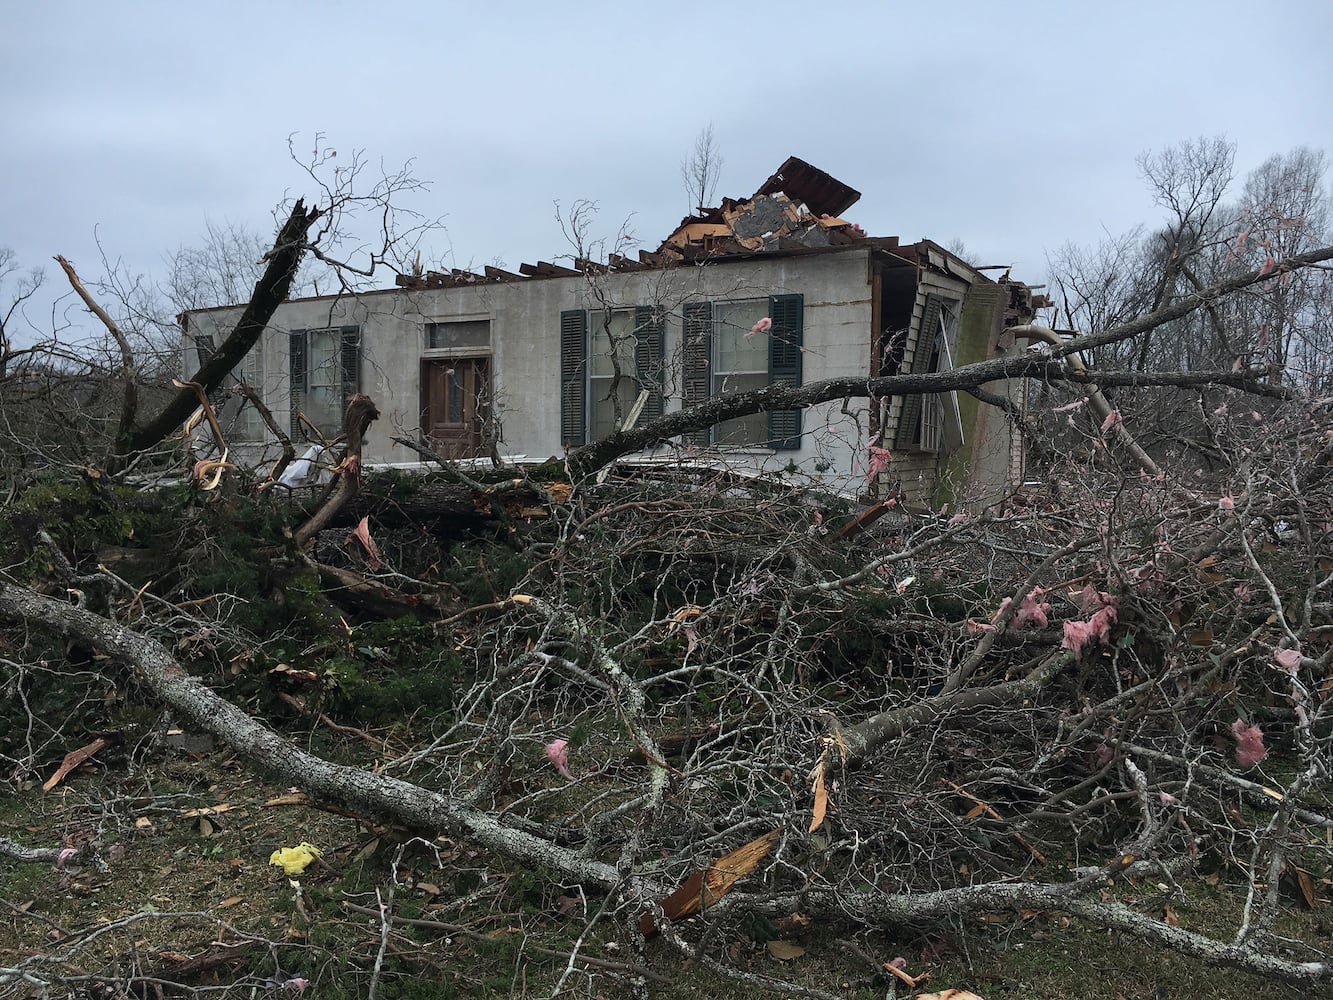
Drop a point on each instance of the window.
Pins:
(723, 355)
(588, 365)
(469, 336)
(249, 424)
(740, 363)
(610, 350)
(325, 374)
(921, 421)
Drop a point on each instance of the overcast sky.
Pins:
(1011, 126)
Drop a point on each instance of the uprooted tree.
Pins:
(695, 695)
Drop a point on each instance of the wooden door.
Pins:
(455, 404)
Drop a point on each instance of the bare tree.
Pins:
(700, 171)
(24, 287)
(1283, 210)
(1278, 331)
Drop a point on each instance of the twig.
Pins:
(386, 926)
(266, 415)
(990, 811)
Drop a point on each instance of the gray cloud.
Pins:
(1012, 127)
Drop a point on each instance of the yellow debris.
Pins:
(295, 860)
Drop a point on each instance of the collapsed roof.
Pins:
(797, 209)
(798, 206)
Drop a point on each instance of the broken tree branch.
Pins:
(361, 792)
(361, 413)
(128, 371)
(888, 908)
(265, 414)
(270, 292)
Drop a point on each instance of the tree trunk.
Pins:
(270, 292)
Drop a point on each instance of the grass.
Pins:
(484, 928)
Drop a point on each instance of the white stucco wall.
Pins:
(525, 350)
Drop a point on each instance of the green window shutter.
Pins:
(649, 347)
(573, 380)
(785, 341)
(297, 371)
(350, 349)
(698, 352)
(907, 436)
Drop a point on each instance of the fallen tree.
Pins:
(754, 701)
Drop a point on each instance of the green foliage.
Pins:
(483, 572)
(80, 516)
(398, 670)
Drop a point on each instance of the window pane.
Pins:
(733, 350)
(619, 331)
(931, 423)
(602, 415)
(751, 430)
(323, 399)
(473, 333)
(250, 426)
(603, 333)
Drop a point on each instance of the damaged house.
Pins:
(778, 287)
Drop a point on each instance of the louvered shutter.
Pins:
(205, 346)
(349, 345)
(785, 340)
(297, 371)
(698, 352)
(907, 436)
(649, 347)
(573, 383)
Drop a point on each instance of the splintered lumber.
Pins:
(706, 886)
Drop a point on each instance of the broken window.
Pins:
(726, 352)
(325, 375)
(592, 345)
(921, 421)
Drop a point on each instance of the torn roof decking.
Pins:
(822, 193)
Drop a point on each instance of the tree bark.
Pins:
(361, 413)
(270, 292)
(894, 909)
(360, 792)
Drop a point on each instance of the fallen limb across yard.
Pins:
(373, 795)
